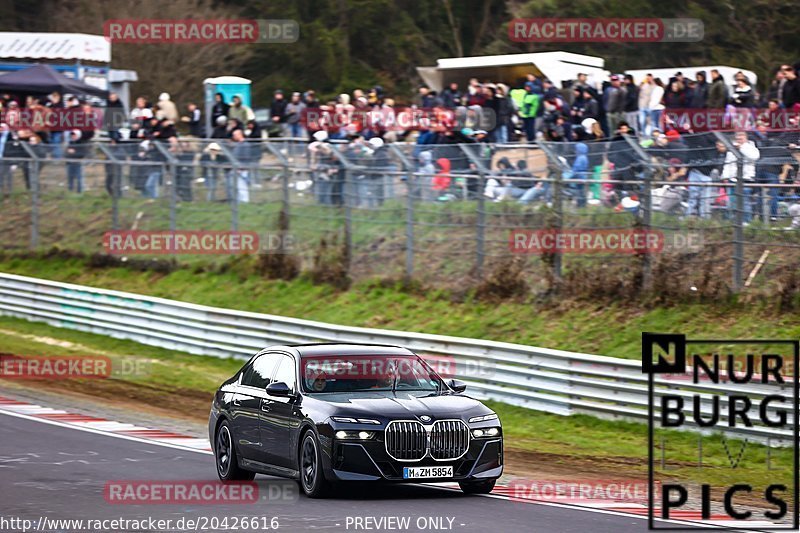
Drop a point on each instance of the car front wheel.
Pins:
(477, 487)
(312, 479)
(225, 457)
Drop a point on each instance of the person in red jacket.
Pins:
(442, 179)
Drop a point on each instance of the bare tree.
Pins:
(176, 68)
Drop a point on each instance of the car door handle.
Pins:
(265, 405)
(237, 402)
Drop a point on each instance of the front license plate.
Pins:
(415, 472)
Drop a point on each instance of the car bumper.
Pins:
(368, 461)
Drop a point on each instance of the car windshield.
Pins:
(365, 373)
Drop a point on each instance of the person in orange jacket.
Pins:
(442, 179)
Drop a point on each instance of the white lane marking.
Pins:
(105, 433)
(599, 511)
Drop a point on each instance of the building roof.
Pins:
(72, 46)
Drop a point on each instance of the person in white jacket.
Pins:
(645, 92)
(656, 106)
(730, 172)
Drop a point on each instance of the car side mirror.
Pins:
(279, 388)
(457, 385)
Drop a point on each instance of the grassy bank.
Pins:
(585, 327)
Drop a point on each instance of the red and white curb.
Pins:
(502, 491)
(101, 425)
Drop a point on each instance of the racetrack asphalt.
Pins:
(58, 472)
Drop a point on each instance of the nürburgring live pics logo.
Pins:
(730, 392)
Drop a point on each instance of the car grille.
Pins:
(449, 439)
(408, 440)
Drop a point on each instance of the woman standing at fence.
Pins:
(656, 106)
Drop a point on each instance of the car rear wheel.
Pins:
(312, 479)
(477, 487)
(225, 457)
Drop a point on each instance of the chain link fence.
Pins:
(726, 208)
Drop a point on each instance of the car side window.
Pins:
(286, 372)
(258, 374)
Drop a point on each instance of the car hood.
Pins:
(388, 406)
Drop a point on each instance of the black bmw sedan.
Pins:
(327, 413)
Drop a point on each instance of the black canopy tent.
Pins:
(44, 79)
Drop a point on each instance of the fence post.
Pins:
(232, 186)
(411, 191)
(738, 214)
(116, 188)
(480, 224)
(116, 182)
(34, 204)
(410, 188)
(480, 219)
(646, 205)
(346, 198)
(173, 196)
(738, 229)
(33, 176)
(556, 167)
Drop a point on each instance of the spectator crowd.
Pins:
(587, 125)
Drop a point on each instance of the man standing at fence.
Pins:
(76, 150)
(614, 98)
(730, 172)
(528, 111)
(6, 140)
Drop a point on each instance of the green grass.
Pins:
(153, 365)
(607, 330)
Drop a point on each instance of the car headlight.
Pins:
(485, 432)
(483, 418)
(350, 420)
(354, 435)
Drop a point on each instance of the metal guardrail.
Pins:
(553, 381)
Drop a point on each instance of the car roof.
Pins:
(335, 348)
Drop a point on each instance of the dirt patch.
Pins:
(188, 404)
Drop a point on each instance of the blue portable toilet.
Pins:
(229, 86)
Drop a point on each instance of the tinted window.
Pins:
(258, 373)
(286, 372)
